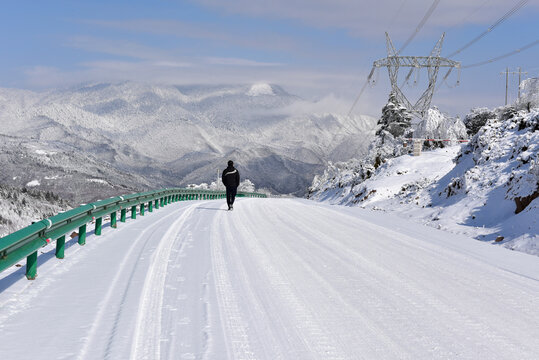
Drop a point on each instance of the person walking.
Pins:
(231, 180)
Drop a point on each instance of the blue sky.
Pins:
(313, 48)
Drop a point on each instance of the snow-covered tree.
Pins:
(530, 93)
(476, 119)
(438, 125)
(396, 119)
(246, 186)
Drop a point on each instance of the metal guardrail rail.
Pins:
(27, 241)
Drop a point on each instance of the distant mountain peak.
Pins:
(260, 89)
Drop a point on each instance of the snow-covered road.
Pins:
(274, 279)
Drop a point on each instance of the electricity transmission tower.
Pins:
(432, 63)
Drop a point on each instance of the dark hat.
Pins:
(230, 163)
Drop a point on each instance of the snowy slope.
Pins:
(486, 189)
(75, 176)
(180, 135)
(275, 279)
(19, 207)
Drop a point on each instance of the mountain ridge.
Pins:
(177, 135)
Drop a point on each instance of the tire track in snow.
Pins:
(409, 295)
(411, 290)
(120, 275)
(147, 336)
(461, 275)
(258, 304)
(234, 326)
(301, 319)
(314, 304)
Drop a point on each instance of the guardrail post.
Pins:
(150, 206)
(82, 234)
(60, 246)
(142, 207)
(134, 212)
(161, 202)
(98, 224)
(113, 222)
(31, 266)
(122, 215)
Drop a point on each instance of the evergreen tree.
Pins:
(396, 119)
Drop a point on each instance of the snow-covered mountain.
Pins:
(174, 136)
(487, 188)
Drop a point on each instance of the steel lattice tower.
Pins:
(433, 63)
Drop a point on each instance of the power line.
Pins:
(361, 91)
(525, 47)
(418, 28)
(507, 15)
(474, 11)
(420, 25)
(397, 13)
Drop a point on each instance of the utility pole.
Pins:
(506, 83)
(507, 72)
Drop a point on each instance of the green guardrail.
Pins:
(27, 241)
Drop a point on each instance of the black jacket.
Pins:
(231, 177)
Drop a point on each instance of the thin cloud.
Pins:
(117, 47)
(238, 62)
(369, 18)
(205, 31)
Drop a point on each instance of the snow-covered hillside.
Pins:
(174, 136)
(55, 167)
(19, 207)
(487, 188)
